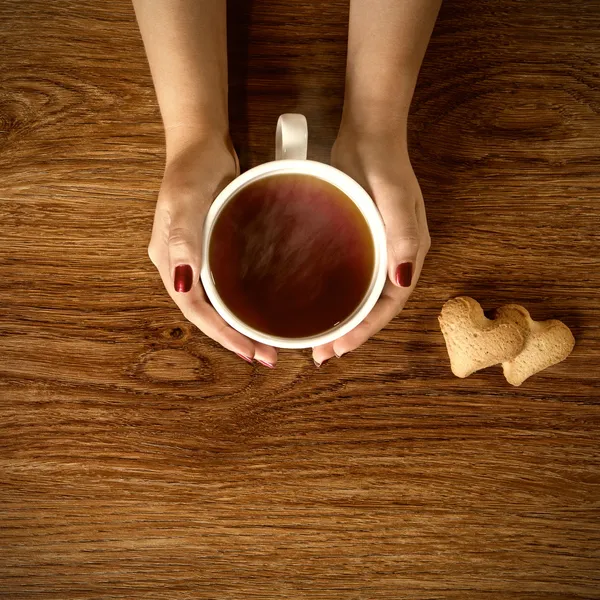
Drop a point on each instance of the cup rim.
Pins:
(346, 185)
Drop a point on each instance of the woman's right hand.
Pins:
(194, 175)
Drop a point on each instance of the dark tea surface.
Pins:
(291, 255)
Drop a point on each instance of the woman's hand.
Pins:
(194, 175)
(382, 166)
(186, 44)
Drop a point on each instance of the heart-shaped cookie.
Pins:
(474, 341)
(547, 343)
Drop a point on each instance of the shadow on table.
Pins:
(238, 36)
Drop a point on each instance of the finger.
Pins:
(398, 207)
(198, 311)
(402, 232)
(265, 355)
(387, 307)
(322, 354)
(184, 245)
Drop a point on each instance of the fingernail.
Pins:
(246, 358)
(320, 364)
(184, 276)
(404, 274)
(264, 363)
(338, 355)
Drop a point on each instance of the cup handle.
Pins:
(291, 138)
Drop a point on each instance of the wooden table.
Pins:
(140, 460)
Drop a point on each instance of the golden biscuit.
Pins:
(475, 342)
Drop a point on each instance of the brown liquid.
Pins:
(291, 255)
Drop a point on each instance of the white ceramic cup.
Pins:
(290, 151)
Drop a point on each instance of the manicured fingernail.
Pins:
(320, 364)
(246, 358)
(338, 355)
(264, 363)
(184, 275)
(404, 274)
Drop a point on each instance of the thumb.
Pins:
(402, 231)
(184, 244)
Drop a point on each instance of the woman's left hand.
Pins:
(382, 166)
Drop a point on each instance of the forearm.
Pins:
(186, 45)
(386, 44)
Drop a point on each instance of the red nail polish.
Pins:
(184, 276)
(265, 364)
(246, 358)
(404, 274)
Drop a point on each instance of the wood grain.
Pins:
(140, 460)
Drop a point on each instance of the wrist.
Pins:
(182, 135)
(374, 129)
(375, 119)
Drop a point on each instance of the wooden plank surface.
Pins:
(140, 460)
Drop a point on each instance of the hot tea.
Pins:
(291, 255)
